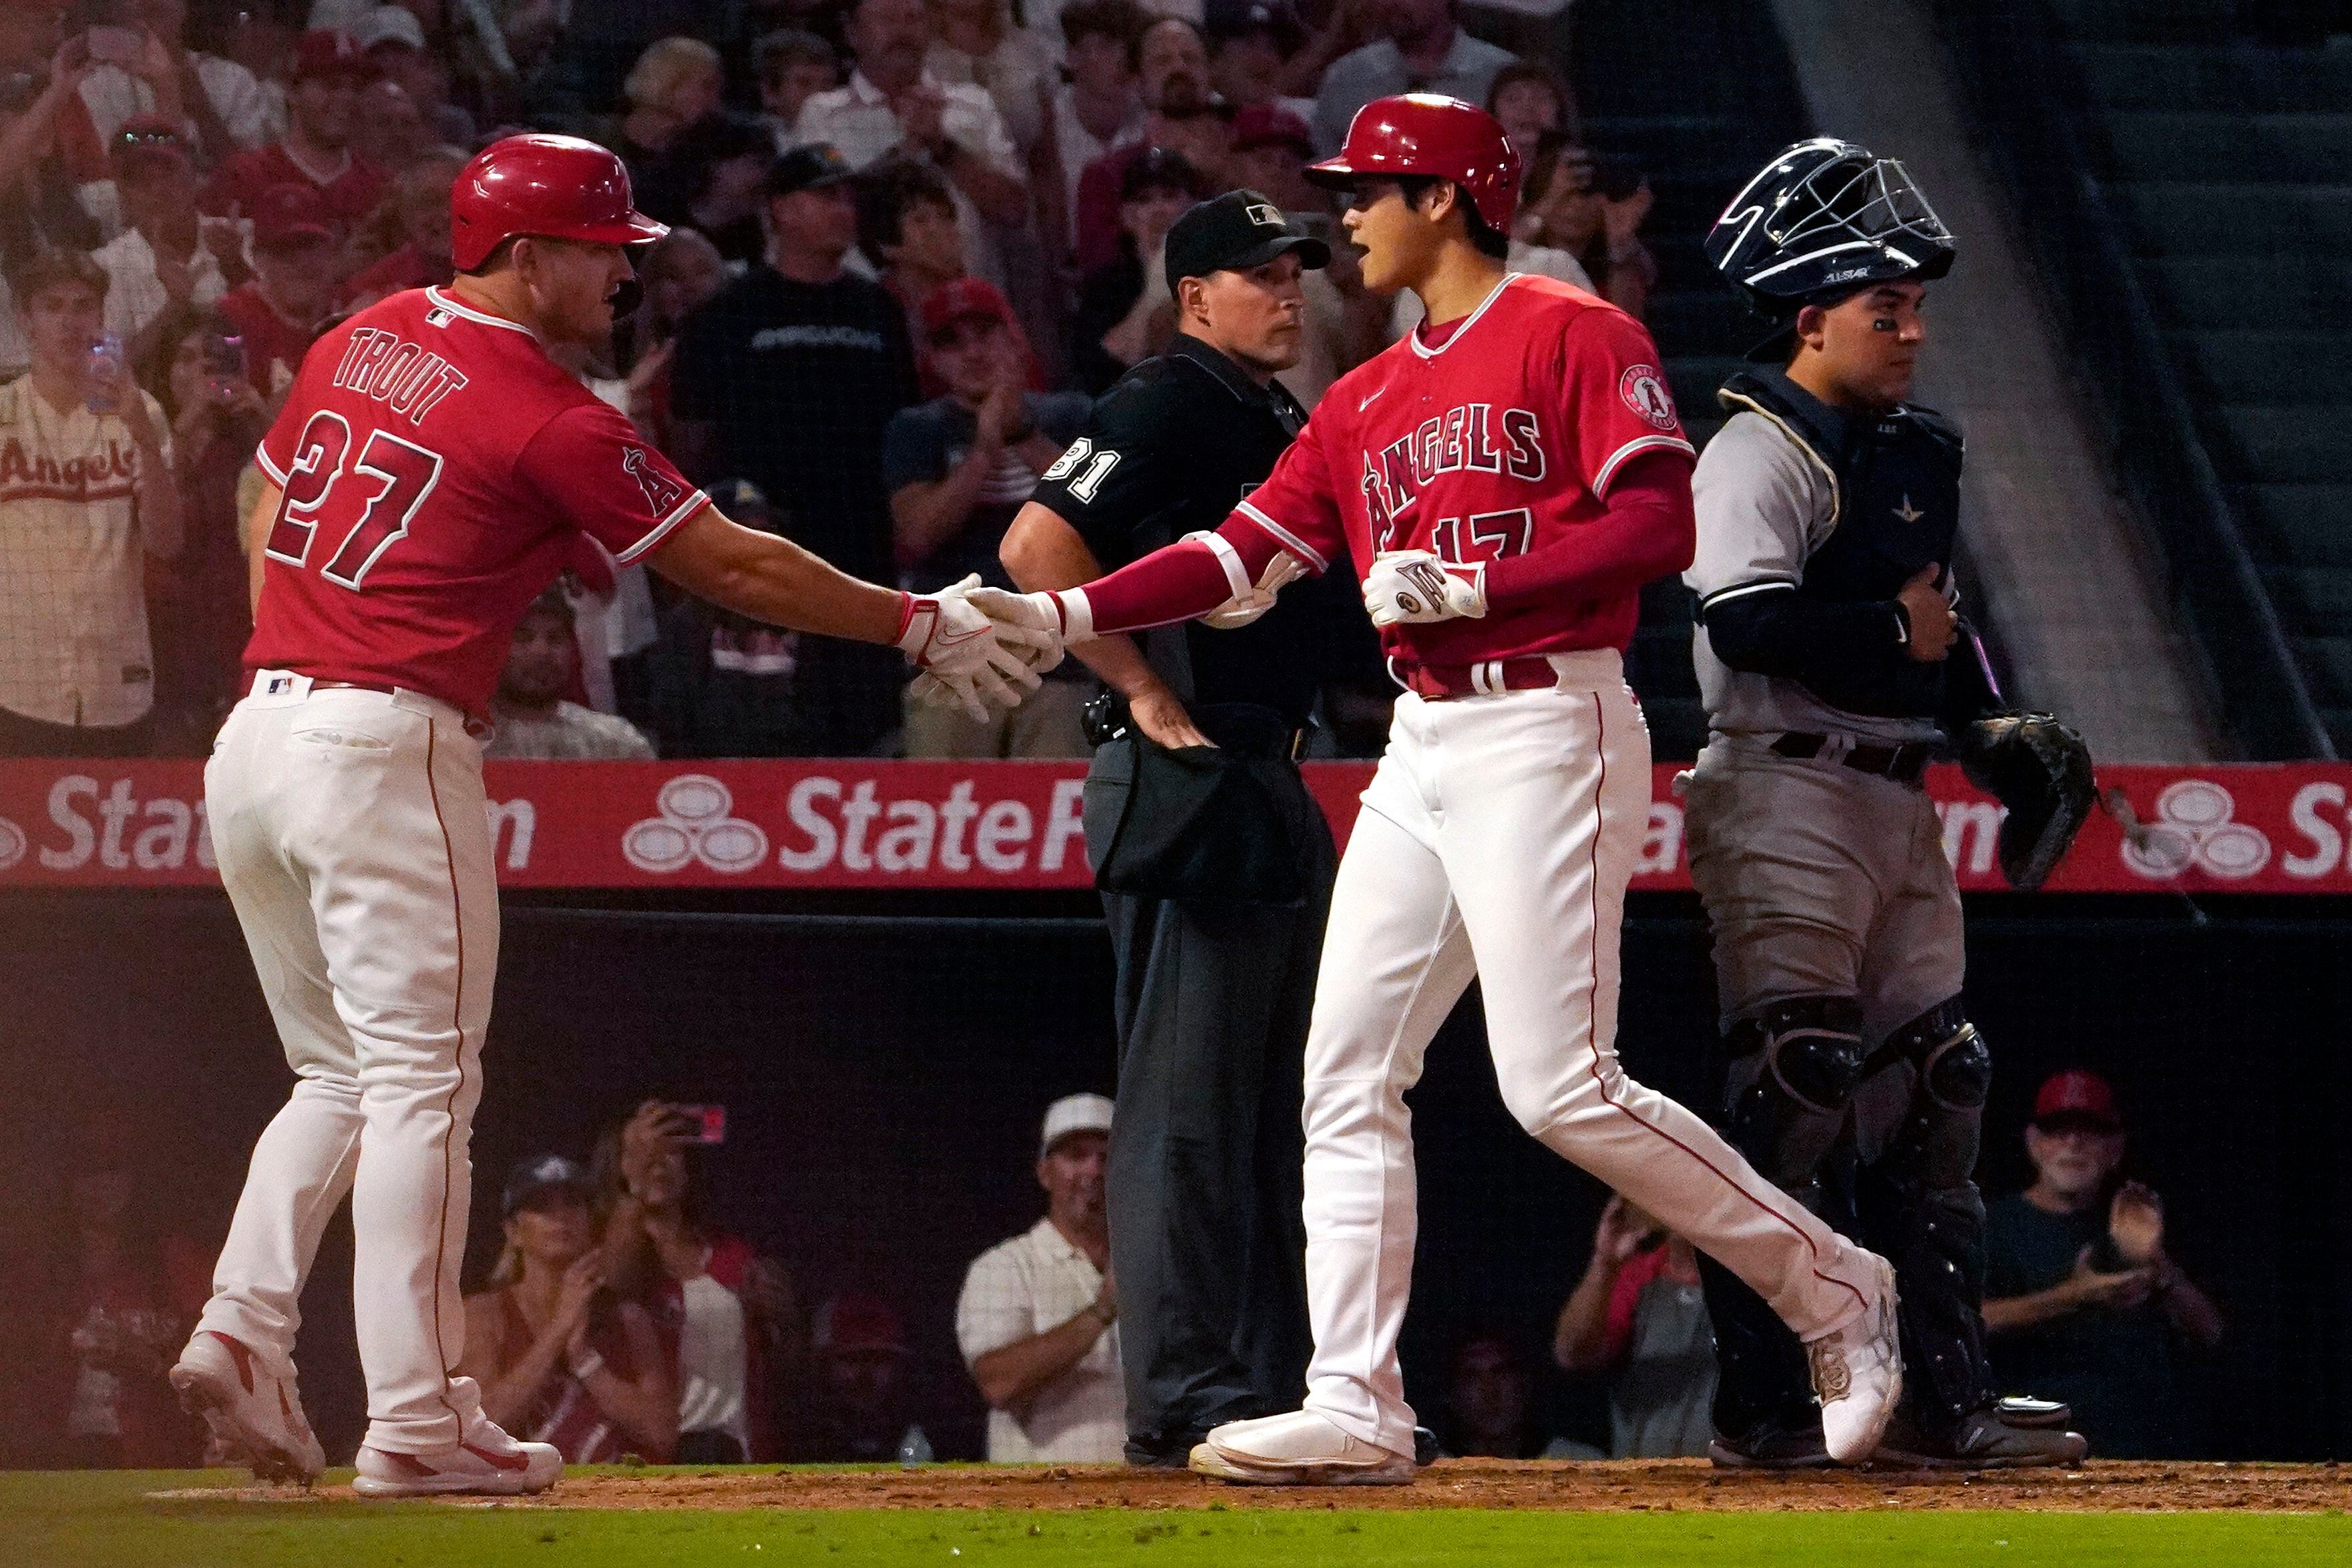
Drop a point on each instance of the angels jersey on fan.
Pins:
(1499, 440)
(437, 468)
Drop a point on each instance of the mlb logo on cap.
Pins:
(1264, 216)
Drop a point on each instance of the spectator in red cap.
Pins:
(316, 150)
(862, 1410)
(166, 254)
(414, 220)
(298, 271)
(2082, 1296)
(958, 469)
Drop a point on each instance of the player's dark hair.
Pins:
(1490, 241)
(48, 266)
(1121, 21)
(884, 192)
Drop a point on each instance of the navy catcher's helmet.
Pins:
(1822, 220)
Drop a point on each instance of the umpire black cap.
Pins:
(1238, 230)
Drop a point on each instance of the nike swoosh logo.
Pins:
(963, 637)
(503, 1461)
(1367, 402)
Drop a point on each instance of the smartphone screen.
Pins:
(710, 1123)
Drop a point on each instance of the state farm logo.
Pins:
(2193, 829)
(11, 843)
(694, 824)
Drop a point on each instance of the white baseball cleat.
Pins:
(488, 1463)
(251, 1408)
(1858, 1376)
(1298, 1449)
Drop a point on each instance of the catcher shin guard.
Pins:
(1793, 1070)
(1920, 1204)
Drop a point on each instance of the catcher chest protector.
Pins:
(1895, 507)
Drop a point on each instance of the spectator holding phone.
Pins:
(559, 1358)
(141, 64)
(196, 604)
(1578, 205)
(1639, 1317)
(49, 151)
(298, 273)
(85, 495)
(728, 1311)
(2082, 1300)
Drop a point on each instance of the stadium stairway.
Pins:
(2232, 164)
(1700, 93)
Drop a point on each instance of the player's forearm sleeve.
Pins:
(1648, 532)
(1850, 654)
(1183, 581)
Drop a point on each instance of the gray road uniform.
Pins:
(1854, 1079)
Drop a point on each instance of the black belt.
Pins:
(1906, 763)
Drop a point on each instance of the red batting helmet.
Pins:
(1442, 138)
(558, 186)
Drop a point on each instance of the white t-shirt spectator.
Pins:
(73, 600)
(1010, 74)
(1379, 70)
(113, 95)
(713, 1361)
(864, 129)
(135, 296)
(1015, 1290)
(570, 734)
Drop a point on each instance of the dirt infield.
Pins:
(1630, 1486)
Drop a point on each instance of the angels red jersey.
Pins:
(1500, 440)
(437, 468)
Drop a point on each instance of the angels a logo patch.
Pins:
(662, 492)
(1644, 388)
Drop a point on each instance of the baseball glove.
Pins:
(2041, 770)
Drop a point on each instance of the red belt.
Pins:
(1488, 678)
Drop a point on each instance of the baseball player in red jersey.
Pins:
(430, 471)
(1505, 479)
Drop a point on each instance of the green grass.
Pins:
(98, 1521)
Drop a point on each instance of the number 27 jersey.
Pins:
(437, 470)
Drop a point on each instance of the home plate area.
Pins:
(1624, 1486)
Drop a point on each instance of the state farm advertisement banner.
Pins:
(857, 824)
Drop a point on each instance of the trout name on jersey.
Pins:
(1461, 439)
(405, 377)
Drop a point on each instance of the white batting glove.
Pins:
(971, 660)
(1413, 588)
(1248, 605)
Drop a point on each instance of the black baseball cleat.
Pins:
(2028, 1414)
(1980, 1440)
(1425, 1448)
(1772, 1448)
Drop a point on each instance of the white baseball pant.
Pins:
(1496, 840)
(352, 836)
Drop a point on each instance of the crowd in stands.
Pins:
(616, 1313)
(912, 240)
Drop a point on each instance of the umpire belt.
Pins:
(1906, 763)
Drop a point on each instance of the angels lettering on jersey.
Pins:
(1499, 439)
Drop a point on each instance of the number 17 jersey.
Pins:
(437, 470)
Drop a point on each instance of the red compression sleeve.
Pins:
(1185, 580)
(1648, 532)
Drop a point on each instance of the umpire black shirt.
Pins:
(1172, 448)
(799, 381)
